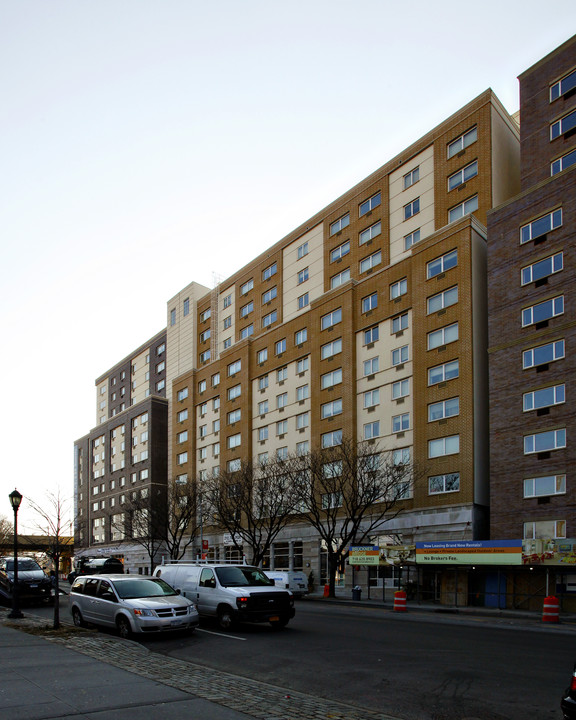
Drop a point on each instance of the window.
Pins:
(160, 385)
(227, 300)
(263, 382)
(400, 355)
(234, 465)
(263, 407)
(400, 323)
(370, 302)
(227, 322)
(302, 421)
(173, 317)
(159, 350)
(331, 319)
(339, 252)
(542, 268)
(302, 365)
(262, 458)
(330, 379)
(205, 335)
(215, 426)
(268, 272)
(234, 441)
(302, 448)
(442, 373)
(398, 288)
(262, 356)
(303, 301)
(563, 86)
(545, 485)
(371, 366)
(205, 356)
(443, 336)
(340, 279)
(443, 409)
(545, 529)
(263, 434)
(332, 469)
(563, 162)
(331, 348)
(300, 336)
(234, 416)
(543, 354)
(444, 446)
(372, 398)
(246, 332)
(203, 453)
(182, 415)
(282, 427)
(246, 287)
(269, 295)
(216, 403)
(234, 392)
(543, 311)
(371, 335)
(186, 307)
(412, 177)
(282, 400)
(411, 239)
(331, 500)
(234, 368)
(182, 394)
(463, 208)
(340, 224)
(203, 409)
(205, 315)
(370, 233)
(215, 379)
(331, 409)
(400, 422)
(462, 142)
(542, 225)
(331, 439)
(302, 250)
(371, 430)
(371, 261)
(441, 264)
(370, 204)
(400, 389)
(215, 453)
(282, 374)
(442, 300)
(545, 397)
(413, 208)
(463, 175)
(545, 441)
(280, 346)
(563, 126)
(203, 431)
(270, 319)
(450, 482)
(159, 368)
(247, 309)
(202, 386)
(302, 275)
(282, 453)
(302, 393)
(182, 458)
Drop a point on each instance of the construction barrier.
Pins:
(400, 601)
(326, 590)
(551, 610)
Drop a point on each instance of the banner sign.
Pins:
(364, 555)
(470, 552)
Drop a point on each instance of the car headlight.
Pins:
(191, 608)
(144, 612)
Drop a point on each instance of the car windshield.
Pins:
(142, 588)
(23, 564)
(242, 576)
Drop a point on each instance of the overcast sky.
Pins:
(148, 143)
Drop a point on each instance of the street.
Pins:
(418, 665)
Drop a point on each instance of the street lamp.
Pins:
(15, 500)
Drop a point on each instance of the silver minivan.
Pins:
(230, 593)
(131, 604)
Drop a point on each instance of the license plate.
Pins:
(274, 618)
(34, 586)
(174, 623)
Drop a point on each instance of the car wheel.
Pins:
(123, 626)
(226, 618)
(279, 624)
(77, 617)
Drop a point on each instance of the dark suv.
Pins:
(33, 583)
(96, 566)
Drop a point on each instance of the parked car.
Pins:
(131, 604)
(296, 582)
(231, 593)
(33, 583)
(568, 703)
(96, 566)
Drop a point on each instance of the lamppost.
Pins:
(15, 500)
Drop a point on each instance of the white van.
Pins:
(231, 593)
(296, 582)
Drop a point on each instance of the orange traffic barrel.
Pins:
(326, 590)
(551, 610)
(400, 601)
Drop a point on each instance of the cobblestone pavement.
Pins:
(256, 699)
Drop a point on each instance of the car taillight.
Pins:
(573, 683)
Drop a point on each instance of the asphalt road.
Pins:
(418, 665)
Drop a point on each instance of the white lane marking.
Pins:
(224, 635)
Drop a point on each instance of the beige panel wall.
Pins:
(399, 198)
(505, 158)
(314, 261)
(140, 374)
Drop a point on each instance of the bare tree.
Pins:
(6, 532)
(254, 503)
(54, 521)
(348, 491)
(181, 525)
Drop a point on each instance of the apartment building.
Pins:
(125, 456)
(368, 321)
(532, 320)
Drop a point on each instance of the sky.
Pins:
(146, 144)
